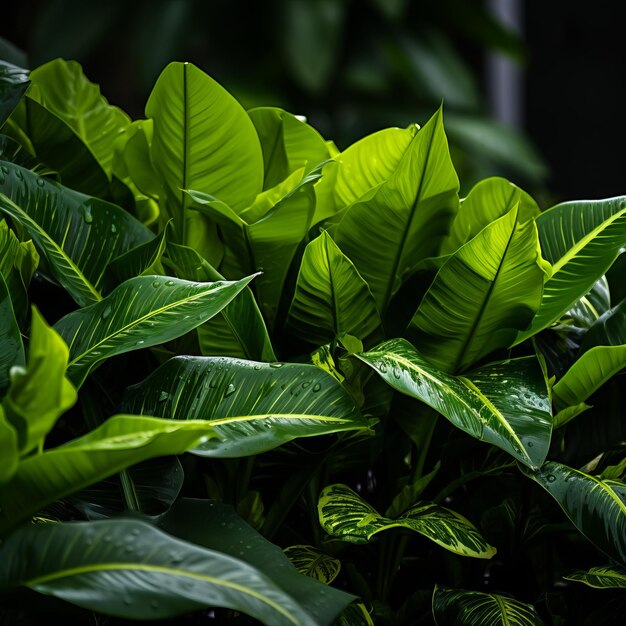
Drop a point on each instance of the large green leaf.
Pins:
(596, 507)
(13, 83)
(310, 561)
(130, 569)
(484, 294)
(39, 393)
(344, 514)
(505, 403)
(238, 330)
(140, 313)
(387, 232)
(288, 143)
(78, 235)
(216, 526)
(331, 298)
(252, 406)
(11, 347)
(203, 139)
(488, 200)
(609, 577)
(458, 607)
(580, 240)
(121, 441)
(62, 88)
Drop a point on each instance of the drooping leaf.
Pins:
(142, 312)
(590, 307)
(488, 200)
(14, 82)
(331, 298)
(62, 88)
(204, 140)
(288, 143)
(252, 406)
(580, 240)
(596, 507)
(39, 393)
(344, 514)
(131, 569)
(458, 607)
(239, 329)
(387, 232)
(309, 561)
(121, 441)
(484, 294)
(76, 234)
(505, 403)
(609, 577)
(11, 347)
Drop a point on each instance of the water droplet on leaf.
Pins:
(163, 396)
(230, 390)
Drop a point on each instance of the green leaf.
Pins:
(355, 615)
(609, 577)
(216, 526)
(62, 88)
(39, 393)
(142, 312)
(346, 515)
(387, 232)
(239, 329)
(458, 607)
(596, 507)
(253, 407)
(505, 403)
(203, 139)
(489, 200)
(309, 561)
(288, 143)
(121, 441)
(590, 307)
(78, 238)
(331, 298)
(13, 83)
(580, 240)
(8, 449)
(11, 347)
(484, 294)
(130, 569)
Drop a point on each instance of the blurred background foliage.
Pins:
(355, 66)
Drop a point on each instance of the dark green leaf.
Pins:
(13, 83)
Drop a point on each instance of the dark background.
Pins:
(353, 67)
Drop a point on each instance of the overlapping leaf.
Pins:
(252, 406)
(506, 403)
(311, 562)
(140, 313)
(609, 577)
(13, 83)
(344, 514)
(11, 347)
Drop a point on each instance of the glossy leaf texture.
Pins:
(488, 201)
(596, 507)
(76, 234)
(253, 407)
(39, 392)
(580, 240)
(8, 449)
(11, 346)
(344, 514)
(14, 82)
(288, 143)
(310, 561)
(62, 88)
(608, 577)
(204, 140)
(142, 312)
(120, 567)
(121, 441)
(458, 607)
(403, 220)
(505, 403)
(484, 294)
(331, 298)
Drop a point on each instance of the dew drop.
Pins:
(19, 175)
(5, 169)
(530, 444)
(383, 368)
(87, 216)
(550, 478)
(163, 396)
(276, 365)
(230, 390)
(316, 387)
(140, 342)
(213, 383)
(113, 228)
(40, 182)
(169, 283)
(306, 383)
(156, 284)
(106, 313)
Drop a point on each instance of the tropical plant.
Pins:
(245, 374)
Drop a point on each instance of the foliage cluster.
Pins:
(246, 376)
